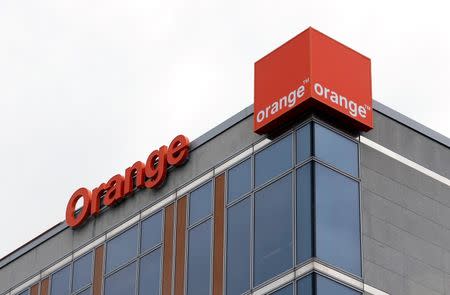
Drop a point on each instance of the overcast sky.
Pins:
(88, 87)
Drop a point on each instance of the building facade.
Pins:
(313, 207)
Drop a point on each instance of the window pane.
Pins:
(273, 230)
(305, 285)
(150, 273)
(121, 249)
(336, 150)
(85, 292)
(61, 282)
(25, 292)
(239, 180)
(273, 160)
(303, 143)
(337, 215)
(199, 259)
(304, 218)
(122, 282)
(200, 203)
(82, 272)
(238, 247)
(326, 286)
(284, 291)
(151, 231)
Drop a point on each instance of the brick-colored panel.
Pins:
(180, 247)
(97, 283)
(44, 286)
(34, 290)
(168, 250)
(219, 208)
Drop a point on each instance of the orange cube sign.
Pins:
(312, 71)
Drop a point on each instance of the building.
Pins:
(314, 206)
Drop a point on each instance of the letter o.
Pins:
(260, 116)
(71, 219)
(318, 89)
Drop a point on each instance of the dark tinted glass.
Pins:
(26, 292)
(336, 150)
(121, 249)
(273, 160)
(85, 292)
(82, 272)
(273, 230)
(199, 259)
(150, 273)
(305, 285)
(61, 282)
(303, 143)
(238, 248)
(239, 180)
(326, 286)
(122, 282)
(337, 220)
(284, 291)
(304, 216)
(151, 231)
(200, 203)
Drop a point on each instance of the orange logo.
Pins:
(312, 71)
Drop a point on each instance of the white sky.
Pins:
(88, 87)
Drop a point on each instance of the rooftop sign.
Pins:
(312, 71)
(151, 175)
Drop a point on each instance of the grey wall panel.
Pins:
(410, 144)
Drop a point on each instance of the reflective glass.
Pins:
(337, 220)
(273, 160)
(239, 180)
(304, 214)
(305, 285)
(199, 259)
(150, 273)
(82, 272)
(303, 143)
(273, 230)
(122, 282)
(60, 284)
(200, 203)
(151, 231)
(238, 247)
(336, 150)
(121, 249)
(284, 291)
(85, 292)
(326, 286)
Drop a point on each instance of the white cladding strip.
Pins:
(261, 144)
(158, 206)
(233, 161)
(404, 160)
(123, 226)
(25, 285)
(323, 269)
(56, 266)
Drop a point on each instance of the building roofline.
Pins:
(202, 139)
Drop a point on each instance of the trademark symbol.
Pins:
(367, 107)
(306, 81)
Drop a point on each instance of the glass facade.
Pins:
(291, 201)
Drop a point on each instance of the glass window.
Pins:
(326, 286)
(273, 160)
(60, 284)
(85, 292)
(336, 150)
(303, 143)
(283, 291)
(82, 272)
(26, 292)
(239, 180)
(199, 259)
(304, 216)
(200, 203)
(337, 220)
(305, 285)
(121, 249)
(273, 230)
(150, 273)
(238, 247)
(151, 231)
(122, 282)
